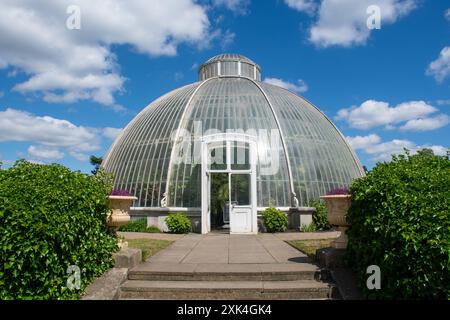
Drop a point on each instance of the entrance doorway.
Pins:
(229, 183)
(219, 202)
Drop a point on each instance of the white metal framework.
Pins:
(314, 157)
(247, 209)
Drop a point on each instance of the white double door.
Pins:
(234, 157)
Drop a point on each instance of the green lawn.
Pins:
(309, 247)
(148, 246)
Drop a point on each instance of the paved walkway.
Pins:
(155, 236)
(285, 236)
(229, 249)
(288, 236)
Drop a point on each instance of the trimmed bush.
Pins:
(275, 220)
(178, 223)
(139, 225)
(400, 221)
(308, 228)
(320, 218)
(52, 218)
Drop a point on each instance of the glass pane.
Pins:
(240, 189)
(240, 156)
(217, 156)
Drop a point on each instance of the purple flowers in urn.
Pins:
(119, 192)
(338, 191)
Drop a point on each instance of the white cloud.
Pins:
(307, 6)
(362, 142)
(16, 125)
(72, 65)
(443, 102)
(237, 6)
(298, 87)
(178, 76)
(44, 153)
(344, 22)
(413, 114)
(2, 94)
(111, 133)
(227, 39)
(383, 151)
(426, 124)
(447, 14)
(50, 135)
(440, 68)
(79, 156)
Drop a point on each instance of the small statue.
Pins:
(164, 200)
(295, 200)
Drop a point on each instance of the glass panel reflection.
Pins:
(240, 189)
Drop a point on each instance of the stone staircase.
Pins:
(203, 281)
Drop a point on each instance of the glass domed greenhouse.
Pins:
(225, 148)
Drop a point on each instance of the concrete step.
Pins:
(229, 290)
(225, 272)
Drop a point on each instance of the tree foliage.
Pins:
(51, 218)
(400, 221)
(96, 162)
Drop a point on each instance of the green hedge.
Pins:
(275, 220)
(320, 217)
(400, 221)
(138, 225)
(51, 218)
(178, 223)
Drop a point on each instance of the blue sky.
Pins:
(64, 94)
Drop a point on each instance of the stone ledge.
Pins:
(106, 287)
(330, 257)
(127, 258)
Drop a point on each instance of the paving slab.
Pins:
(231, 249)
(287, 236)
(146, 235)
(106, 287)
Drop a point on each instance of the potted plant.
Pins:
(338, 202)
(120, 202)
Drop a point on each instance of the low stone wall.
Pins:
(157, 216)
(296, 217)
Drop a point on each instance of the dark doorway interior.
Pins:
(219, 201)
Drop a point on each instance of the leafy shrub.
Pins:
(400, 221)
(139, 225)
(320, 218)
(178, 223)
(51, 218)
(308, 228)
(275, 220)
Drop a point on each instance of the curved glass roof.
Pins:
(313, 155)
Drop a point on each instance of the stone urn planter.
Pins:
(337, 208)
(120, 206)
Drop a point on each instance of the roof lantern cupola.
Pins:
(229, 65)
